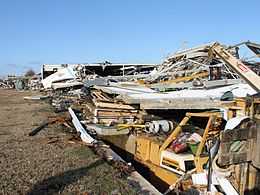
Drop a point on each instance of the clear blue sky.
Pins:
(34, 32)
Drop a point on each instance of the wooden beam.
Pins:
(175, 133)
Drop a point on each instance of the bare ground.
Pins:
(48, 163)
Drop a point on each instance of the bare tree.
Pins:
(29, 73)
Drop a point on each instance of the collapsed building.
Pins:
(81, 72)
(192, 121)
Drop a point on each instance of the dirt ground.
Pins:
(48, 163)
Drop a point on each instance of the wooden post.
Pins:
(175, 133)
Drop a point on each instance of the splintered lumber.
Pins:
(113, 105)
(114, 112)
(107, 115)
(99, 95)
(102, 120)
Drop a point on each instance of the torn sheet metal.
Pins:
(227, 186)
(254, 47)
(234, 122)
(62, 85)
(61, 75)
(191, 50)
(238, 90)
(83, 133)
(107, 131)
(96, 81)
(203, 84)
(179, 104)
(120, 90)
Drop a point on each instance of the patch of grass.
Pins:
(82, 152)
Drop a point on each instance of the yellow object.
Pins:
(124, 126)
(131, 125)
(197, 159)
(155, 149)
(162, 161)
(143, 149)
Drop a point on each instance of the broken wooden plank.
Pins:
(113, 105)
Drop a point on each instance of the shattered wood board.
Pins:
(99, 95)
(114, 112)
(108, 115)
(113, 105)
(108, 120)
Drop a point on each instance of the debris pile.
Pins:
(198, 67)
(7, 83)
(191, 121)
(21, 82)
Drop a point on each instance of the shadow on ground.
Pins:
(55, 184)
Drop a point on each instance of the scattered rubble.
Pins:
(127, 113)
(191, 121)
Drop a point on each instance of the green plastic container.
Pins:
(193, 147)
